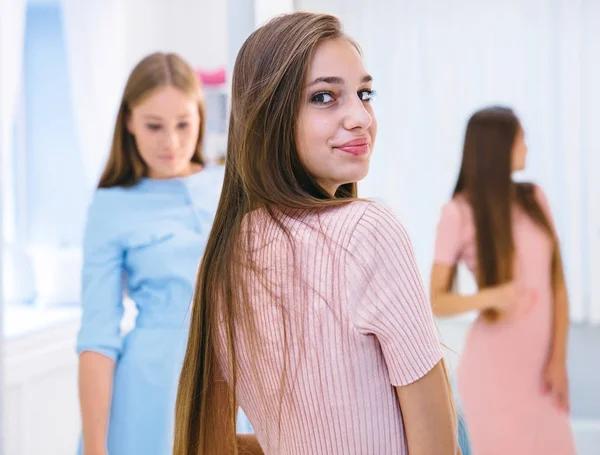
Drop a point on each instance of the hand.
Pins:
(512, 294)
(555, 383)
(507, 296)
(504, 298)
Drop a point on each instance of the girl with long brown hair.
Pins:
(309, 311)
(512, 374)
(146, 230)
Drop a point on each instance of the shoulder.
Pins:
(104, 197)
(110, 211)
(539, 193)
(112, 203)
(213, 175)
(456, 213)
(208, 184)
(457, 208)
(377, 227)
(533, 191)
(374, 214)
(107, 200)
(362, 215)
(531, 188)
(217, 170)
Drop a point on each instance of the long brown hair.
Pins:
(263, 170)
(125, 166)
(485, 180)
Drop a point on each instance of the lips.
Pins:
(356, 147)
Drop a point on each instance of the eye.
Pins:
(153, 126)
(366, 95)
(183, 125)
(322, 98)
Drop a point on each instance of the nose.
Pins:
(171, 139)
(357, 116)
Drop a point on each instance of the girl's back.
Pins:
(500, 372)
(343, 293)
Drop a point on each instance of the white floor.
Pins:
(584, 364)
(584, 377)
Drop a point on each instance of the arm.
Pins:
(448, 249)
(95, 391)
(427, 414)
(99, 339)
(561, 321)
(561, 306)
(393, 306)
(447, 303)
(247, 444)
(555, 377)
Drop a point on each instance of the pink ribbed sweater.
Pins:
(358, 323)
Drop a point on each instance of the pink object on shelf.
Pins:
(211, 78)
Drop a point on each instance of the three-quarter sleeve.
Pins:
(447, 237)
(102, 283)
(389, 298)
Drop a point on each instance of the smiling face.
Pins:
(166, 125)
(336, 127)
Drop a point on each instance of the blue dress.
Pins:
(145, 241)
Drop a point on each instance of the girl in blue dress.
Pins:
(146, 231)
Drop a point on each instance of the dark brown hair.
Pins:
(485, 180)
(125, 166)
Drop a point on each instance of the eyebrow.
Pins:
(338, 80)
(156, 117)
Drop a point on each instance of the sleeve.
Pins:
(389, 300)
(102, 285)
(447, 237)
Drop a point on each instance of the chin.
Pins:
(355, 176)
(360, 174)
(172, 170)
(518, 166)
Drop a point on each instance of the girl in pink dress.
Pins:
(512, 376)
(309, 310)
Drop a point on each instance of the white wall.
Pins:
(434, 63)
(2, 154)
(196, 29)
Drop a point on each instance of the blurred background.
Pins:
(63, 66)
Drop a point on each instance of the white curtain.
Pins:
(12, 31)
(12, 34)
(16, 267)
(267, 9)
(435, 62)
(244, 16)
(95, 37)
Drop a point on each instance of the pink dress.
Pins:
(358, 324)
(500, 369)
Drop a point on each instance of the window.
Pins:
(46, 197)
